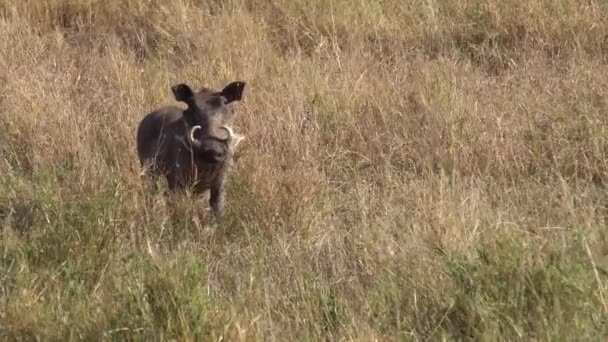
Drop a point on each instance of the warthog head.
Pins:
(191, 147)
(206, 118)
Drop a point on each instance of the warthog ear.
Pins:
(233, 91)
(182, 92)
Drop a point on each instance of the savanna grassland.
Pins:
(412, 170)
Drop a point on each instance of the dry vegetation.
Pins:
(413, 170)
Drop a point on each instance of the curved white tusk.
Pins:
(192, 131)
(230, 133)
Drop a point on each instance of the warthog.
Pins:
(192, 148)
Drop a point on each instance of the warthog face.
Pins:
(192, 148)
(206, 117)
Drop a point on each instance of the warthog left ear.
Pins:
(182, 92)
(233, 91)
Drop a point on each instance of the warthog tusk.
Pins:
(230, 134)
(234, 138)
(192, 131)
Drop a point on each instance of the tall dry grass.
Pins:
(412, 170)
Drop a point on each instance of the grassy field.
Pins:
(413, 170)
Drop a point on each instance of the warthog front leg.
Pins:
(216, 198)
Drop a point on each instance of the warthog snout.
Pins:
(210, 149)
(192, 147)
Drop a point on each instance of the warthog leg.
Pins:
(216, 197)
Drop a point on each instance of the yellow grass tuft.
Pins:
(412, 170)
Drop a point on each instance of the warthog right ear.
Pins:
(233, 91)
(182, 92)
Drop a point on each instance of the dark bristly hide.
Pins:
(192, 148)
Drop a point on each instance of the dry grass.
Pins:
(412, 170)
